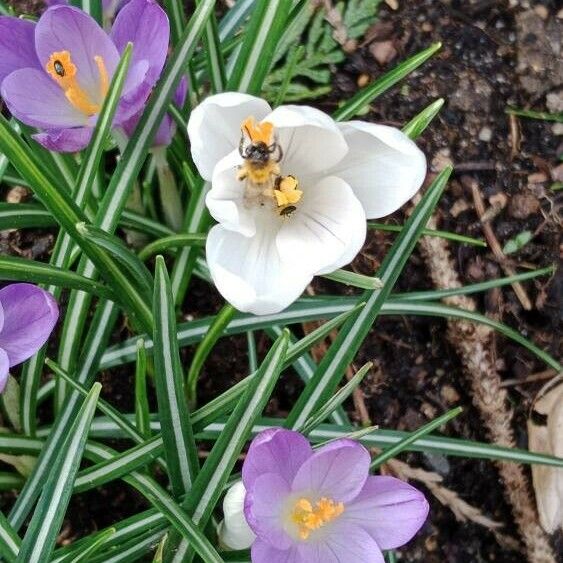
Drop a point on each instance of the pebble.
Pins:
(486, 134)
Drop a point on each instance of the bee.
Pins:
(261, 155)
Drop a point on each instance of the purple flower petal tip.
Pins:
(29, 315)
(322, 506)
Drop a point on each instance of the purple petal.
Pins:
(65, 28)
(390, 510)
(181, 92)
(65, 140)
(264, 509)
(275, 450)
(344, 544)
(4, 369)
(30, 314)
(337, 471)
(145, 24)
(17, 45)
(262, 552)
(136, 91)
(35, 99)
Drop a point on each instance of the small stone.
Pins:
(363, 80)
(541, 11)
(498, 200)
(537, 178)
(459, 207)
(393, 4)
(442, 159)
(486, 134)
(557, 129)
(383, 51)
(449, 394)
(427, 27)
(17, 194)
(523, 205)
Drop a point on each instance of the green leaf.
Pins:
(430, 233)
(39, 540)
(10, 402)
(355, 280)
(259, 46)
(208, 486)
(413, 437)
(389, 79)
(420, 122)
(170, 242)
(93, 547)
(339, 397)
(13, 268)
(222, 319)
(9, 540)
(518, 242)
(350, 338)
(179, 444)
(542, 115)
(142, 414)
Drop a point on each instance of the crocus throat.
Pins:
(309, 517)
(63, 71)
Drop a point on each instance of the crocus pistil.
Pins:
(63, 71)
(306, 516)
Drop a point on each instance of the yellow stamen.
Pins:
(104, 79)
(309, 518)
(287, 192)
(63, 71)
(258, 132)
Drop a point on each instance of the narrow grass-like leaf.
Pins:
(10, 481)
(541, 115)
(222, 319)
(355, 280)
(135, 269)
(39, 540)
(255, 57)
(180, 448)
(142, 413)
(172, 242)
(208, 487)
(234, 18)
(96, 341)
(353, 333)
(93, 547)
(430, 233)
(413, 437)
(365, 96)
(420, 122)
(13, 268)
(23, 216)
(10, 542)
(339, 397)
(381, 438)
(214, 56)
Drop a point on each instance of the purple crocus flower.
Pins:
(55, 74)
(28, 315)
(109, 7)
(321, 506)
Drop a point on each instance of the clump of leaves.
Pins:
(308, 51)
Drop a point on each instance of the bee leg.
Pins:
(242, 174)
(241, 147)
(280, 153)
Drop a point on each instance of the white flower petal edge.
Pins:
(249, 273)
(214, 127)
(311, 140)
(234, 532)
(329, 225)
(384, 167)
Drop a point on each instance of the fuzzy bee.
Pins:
(261, 156)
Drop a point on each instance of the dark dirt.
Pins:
(495, 54)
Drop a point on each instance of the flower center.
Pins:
(63, 71)
(309, 517)
(265, 183)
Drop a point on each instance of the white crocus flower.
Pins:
(291, 190)
(234, 532)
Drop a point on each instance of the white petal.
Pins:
(234, 532)
(225, 200)
(328, 225)
(310, 140)
(248, 271)
(384, 167)
(214, 127)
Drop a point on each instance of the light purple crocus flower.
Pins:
(55, 74)
(28, 315)
(321, 506)
(109, 7)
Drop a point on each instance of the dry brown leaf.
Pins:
(548, 439)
